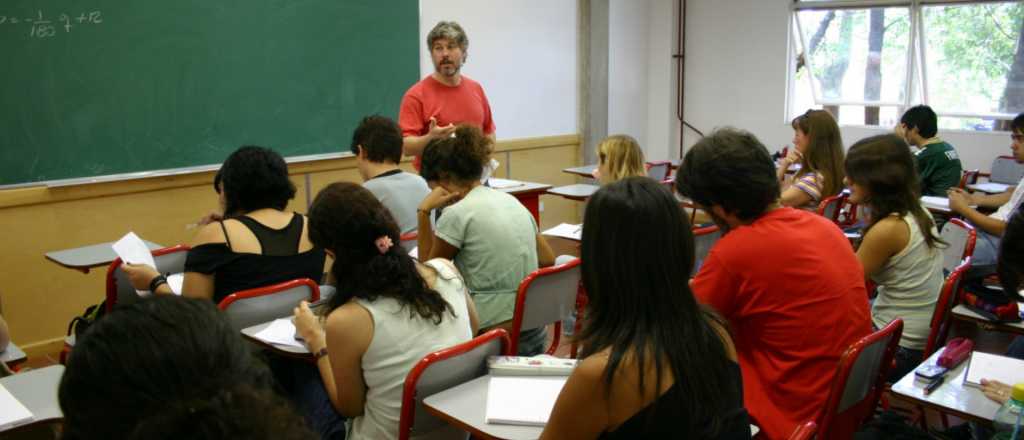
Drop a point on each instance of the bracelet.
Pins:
(320, 354)
(156, 282)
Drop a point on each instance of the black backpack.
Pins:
(80, 324)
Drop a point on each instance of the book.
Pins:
(12, 412)
(524, 401)
(993, 367)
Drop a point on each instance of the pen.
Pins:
(934, 384)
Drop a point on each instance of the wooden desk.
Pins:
(87, 257)
(283, 350)
(952, 397)
(529, 195)
(37, 390)
(577, 191)
(13, 356)
(962, 313)
(563, 246)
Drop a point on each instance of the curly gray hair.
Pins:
(448, 30)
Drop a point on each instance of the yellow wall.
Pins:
(40, 297)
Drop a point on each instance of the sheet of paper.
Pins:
(528, 401)
(991, 366)
(415, 252)
(497, 183)
(175, 280)
(566, 230)
(280, 332)
(12, 412)
(989, 187)
(932, 202)
(133, 250)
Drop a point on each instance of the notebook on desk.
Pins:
(993, 367)
(514, 400)
(12, 412)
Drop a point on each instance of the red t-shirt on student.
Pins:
(793, 292)
(465, 103)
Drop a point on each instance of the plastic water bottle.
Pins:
(569, 324)
(1007, 422)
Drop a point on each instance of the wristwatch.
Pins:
(156, 282)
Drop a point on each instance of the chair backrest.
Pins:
(1005, 169)
(408, 240)
(831, 206)
(948, 297)
(169, 260)
(805, 431)
(659, 170)
(969, 177)
(859, 382)
(441, 370)
(703, 240)
(545, 296)
(960, 238)
(262, 304)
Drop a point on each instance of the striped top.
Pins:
(811, 184)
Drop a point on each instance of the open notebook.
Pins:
(12, 412)
(994, 367)
(516, 400)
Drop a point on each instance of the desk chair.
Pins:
(831, 206)
(858, 383)
(960, 237)
(948, 298)
(659, 170)
(805, 431)
(441, 370)
(1005, 170)
(703, 240)
(547, 295)
(969, 177)
(254, 306)
(408, 240)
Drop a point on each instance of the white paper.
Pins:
(415, 252)
(993, 367)
(522, 400)
(133, 250)
(174, 281)
(989, 187)
(12, 412)
(280, 332)
(932, 202)
(566, 230)
(497, 183)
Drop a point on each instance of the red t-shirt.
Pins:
(793, 292)
(465, 103)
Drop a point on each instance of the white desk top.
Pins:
(584, 171)
(951, 397)
(989, 187)
(86, 257)
(578, 191)
(963, 312)
(526, 187)
(12, 355)
(37, 390)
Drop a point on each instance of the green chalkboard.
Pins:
(99, 87)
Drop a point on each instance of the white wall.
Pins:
(523, 52)
(736, 75)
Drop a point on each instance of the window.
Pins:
(866, 61)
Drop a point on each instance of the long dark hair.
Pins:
(883, 165)
(640, 299)
(1010, 266)
(347, 219)
(825, 152)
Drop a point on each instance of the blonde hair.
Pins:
(624, 157)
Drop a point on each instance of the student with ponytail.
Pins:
(389, 310)
(490, 236)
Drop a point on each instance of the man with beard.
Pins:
(786, 280)
(433, 106)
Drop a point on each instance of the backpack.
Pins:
(80, 324)
(991, 303)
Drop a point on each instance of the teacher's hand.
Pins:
(437, 132)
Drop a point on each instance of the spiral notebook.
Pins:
(516, 400)
(994, 367)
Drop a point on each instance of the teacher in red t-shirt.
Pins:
(433, 106)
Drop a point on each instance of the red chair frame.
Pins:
(972, 238)
(111, 281)
(840, 200)
(270, 290)
(668, 169)
(969, 177)
(805, 431)
(408, 412)
(948, 297)
(834, 424)
(517, 315)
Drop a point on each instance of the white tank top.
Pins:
(399, 342)
(908, 287)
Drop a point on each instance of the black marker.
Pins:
(934, 384)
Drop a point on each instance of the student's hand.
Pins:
(996, 390)
(210, 218)
(436, 131)
(793, 157)
(437, 198)
(596, 173)
(139, 275)
(959, 200)
(308, 327)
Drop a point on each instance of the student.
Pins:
(655, 363)
(938, 165)
(490, 236)
(170, 368)
(818, 148)
(791, 319)
(5, 340)
(259, 244)
(377, 144)
(619, 156)
(990, 227)
(389, 310)
(901, 247)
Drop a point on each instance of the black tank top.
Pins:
(277, 242)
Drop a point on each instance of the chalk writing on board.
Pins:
(41, 26)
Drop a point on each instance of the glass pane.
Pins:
(887, 116)
(970, 53)
(857, 54)
(801, 97)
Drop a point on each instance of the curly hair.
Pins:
(459, 158)
(347, 219)
(449, 30)
(255, 178)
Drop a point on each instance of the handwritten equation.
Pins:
(39, 26)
